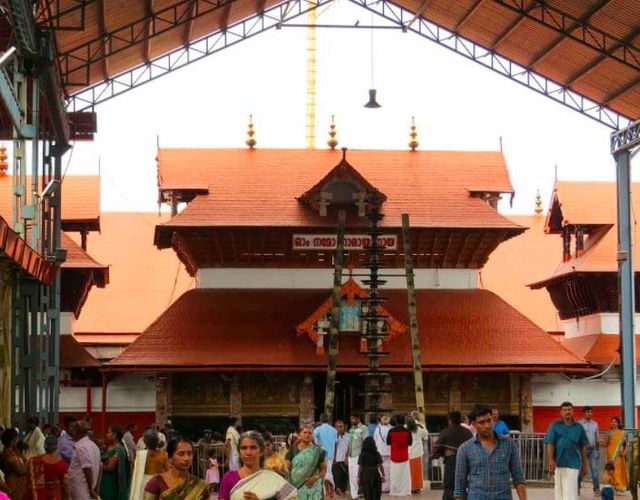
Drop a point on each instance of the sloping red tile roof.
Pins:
(25, 257)
(588, 203)
(73, 355)
(143, 281)
(77, 258)
(591, 204)
(600, 349)
(80, 199)
(260, 187)
(529, 257)
(460, 329)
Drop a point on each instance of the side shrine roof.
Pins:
(73, 355)
(23, 256)
(601, 349)
(80, 201)
(143, 281)
(591, 205)
(260, 187)
(256, 329)
(530, 256)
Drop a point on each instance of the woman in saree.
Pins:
(307, 465)
(14, 466)
(616, 440)
(48, 474)
(149, 462)
(115, 470)
(273, 460)
(177, 483)
(251, 481)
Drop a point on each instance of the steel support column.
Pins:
(626, 285)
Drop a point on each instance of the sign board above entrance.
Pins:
(351, 241)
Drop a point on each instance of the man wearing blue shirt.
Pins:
(499, 427)
(567, 453)
(325, 436)
(486, 463)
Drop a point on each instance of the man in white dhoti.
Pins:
(232, 440)
(380, 437)
(399, 439)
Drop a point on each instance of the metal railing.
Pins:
(531, 447)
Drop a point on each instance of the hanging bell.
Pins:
(372, 100)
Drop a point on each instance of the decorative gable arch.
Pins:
(316, 326)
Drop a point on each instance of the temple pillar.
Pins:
(455, 392)
(235, 397)
(162, 399)
(307, 404)
(526, 403)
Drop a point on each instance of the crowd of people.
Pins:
(327, 459)
(573, 449)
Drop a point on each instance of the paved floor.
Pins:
(532, 494)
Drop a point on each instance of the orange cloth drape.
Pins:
(417, 480)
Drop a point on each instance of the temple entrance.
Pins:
(349, 389)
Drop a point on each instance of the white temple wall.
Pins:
(553, 389)
(130, 392)
(323, 278)
(595, 324)
(67, 322)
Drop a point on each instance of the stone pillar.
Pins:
(307, 404)
(162, 399)
(526, 403)
(455, 392)
(386, 399)
(235, 397)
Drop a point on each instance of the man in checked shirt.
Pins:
(486, 463)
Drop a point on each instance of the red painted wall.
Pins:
(544, 415)
(142, 419)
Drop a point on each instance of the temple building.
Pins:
(565, 280)
(256, 230)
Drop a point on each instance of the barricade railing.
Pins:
(531, 448)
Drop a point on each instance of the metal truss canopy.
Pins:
(406, 20)
(398, 18)
(273, 17)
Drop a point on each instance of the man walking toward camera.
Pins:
(590, 427)
(486, 463)
(566, 452)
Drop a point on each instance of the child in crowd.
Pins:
(213, 473)
(606, 482)
(370, 471)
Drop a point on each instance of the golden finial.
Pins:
(3, 160)
(538, 208)
(332, 142)
(413, 143)
(251, 141)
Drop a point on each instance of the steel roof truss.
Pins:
(582, 32)
(489, 59)
(275, 16)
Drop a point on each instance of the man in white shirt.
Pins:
(232, 440)
(380, 437)
(340, 469)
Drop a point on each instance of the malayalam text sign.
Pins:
(351, 241)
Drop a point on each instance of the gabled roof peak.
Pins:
(342, 185)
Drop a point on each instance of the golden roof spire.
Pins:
(3, 160)
(538, 208)
(413, 143)
(332, 142)
(251, 141)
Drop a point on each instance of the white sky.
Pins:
(458, 105)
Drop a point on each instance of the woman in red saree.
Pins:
(48, 474)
